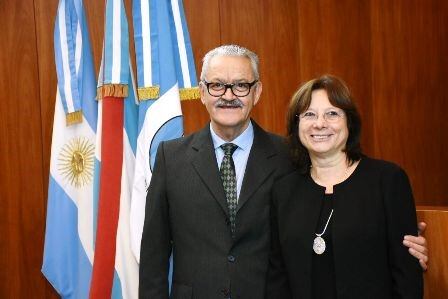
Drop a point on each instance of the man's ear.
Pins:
(258, 89)
(202, 91)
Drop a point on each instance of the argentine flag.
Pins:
(166, 75)
(68, 251)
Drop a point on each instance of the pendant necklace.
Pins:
(319, 242)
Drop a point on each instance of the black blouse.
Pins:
(323, 274)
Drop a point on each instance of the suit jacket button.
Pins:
(227, 222)
(231, 258)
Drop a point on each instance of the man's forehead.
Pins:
(235, 67)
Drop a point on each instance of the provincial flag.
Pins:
(166, 75)
(68, 250)
(115, 269)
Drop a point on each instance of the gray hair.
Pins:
(231, 50)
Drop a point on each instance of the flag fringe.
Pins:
(191, 93)
(73, 118)
(148, 93)
(112, 90)
(153, 92)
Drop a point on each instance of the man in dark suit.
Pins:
(209, 197)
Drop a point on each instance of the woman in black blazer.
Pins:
(338, 222)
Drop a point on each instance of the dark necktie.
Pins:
(228, 177)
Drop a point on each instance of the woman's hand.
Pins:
(418, 246)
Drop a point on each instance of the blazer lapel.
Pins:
(310, 206)
(260, 164)
(204, 162)
(310, 203)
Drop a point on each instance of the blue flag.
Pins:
(68, 252)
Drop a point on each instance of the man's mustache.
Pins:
(235, 103)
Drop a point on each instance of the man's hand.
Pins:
(418, 246)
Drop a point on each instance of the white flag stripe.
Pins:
(77, 194)
(99, 131)
(101, 74)
(146, 43)
(137, 214)
(134, 85)
(78, 49)
(165, 108)
(116, 42)
(125, 262)
(64, 56)
(181, 44)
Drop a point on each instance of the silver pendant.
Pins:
(319, 245)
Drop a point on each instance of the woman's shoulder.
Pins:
(288, 182)
(294, 177)
(285, 190)
(382, 167)
(296, 182)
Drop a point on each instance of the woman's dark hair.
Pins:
(339, 96)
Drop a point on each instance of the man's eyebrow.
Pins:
(215, 80)
(220, 80)
(233, 81)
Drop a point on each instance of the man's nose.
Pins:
(228, 94)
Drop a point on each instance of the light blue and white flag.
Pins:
(166, 74)
(68, 252)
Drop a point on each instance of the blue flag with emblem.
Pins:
(68, 251)
(166, 75)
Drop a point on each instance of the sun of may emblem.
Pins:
(76, 161)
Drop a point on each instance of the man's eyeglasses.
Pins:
(240, 89)
(329, 116)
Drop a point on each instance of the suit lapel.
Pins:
(260, 164)
(204, 162)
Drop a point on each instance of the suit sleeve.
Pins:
(277, 284)
(401, 220)
(156, 239)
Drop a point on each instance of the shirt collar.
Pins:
(243, 141)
